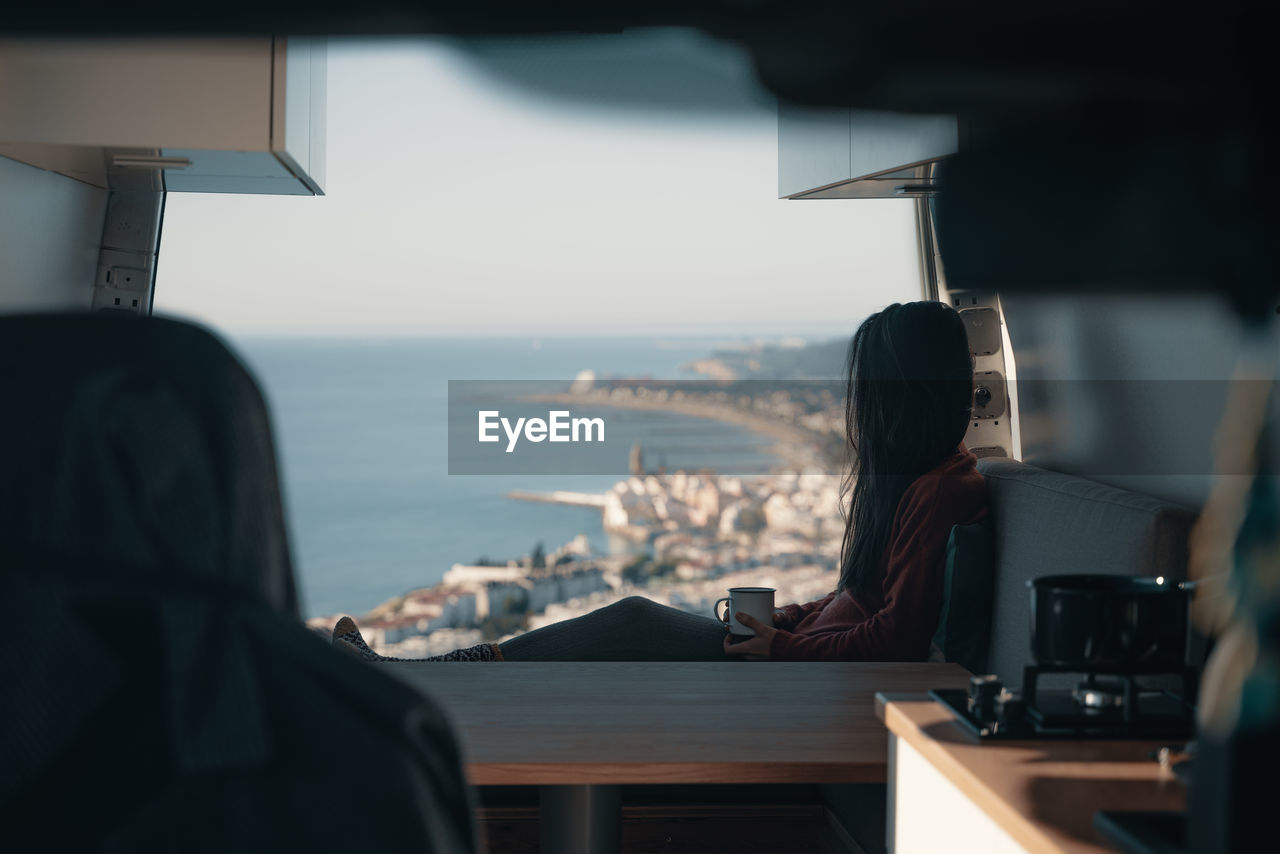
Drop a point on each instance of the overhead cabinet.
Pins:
(859, 154)
(208, 115)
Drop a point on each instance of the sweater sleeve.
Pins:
(902, 628)
(796, 613)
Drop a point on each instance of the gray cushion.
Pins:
(1048, 523)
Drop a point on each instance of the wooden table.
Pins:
(580, 730)
(1035, 795)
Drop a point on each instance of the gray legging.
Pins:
(631, 629)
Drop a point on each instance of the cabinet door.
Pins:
(216, 115)
(929, 814)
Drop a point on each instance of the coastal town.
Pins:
(689, 535)
(705, 533)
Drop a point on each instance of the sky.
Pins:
(463, 200)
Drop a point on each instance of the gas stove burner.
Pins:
(1095, 694)
(1111, 705)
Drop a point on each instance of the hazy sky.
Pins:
(460, 203)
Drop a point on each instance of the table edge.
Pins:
(647, 773)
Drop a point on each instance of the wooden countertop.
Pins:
(534, 723)
(1043, 793)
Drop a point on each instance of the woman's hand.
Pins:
(756, 648)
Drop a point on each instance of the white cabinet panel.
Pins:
(813, 148)
(50, 228)
(842, 153)
(248, 114)
(929, 814)
(143, 93)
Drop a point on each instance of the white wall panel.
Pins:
(50, 229)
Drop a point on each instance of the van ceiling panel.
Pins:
(1129, 391)
(1109, 202)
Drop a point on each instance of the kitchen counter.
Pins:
(948, 791)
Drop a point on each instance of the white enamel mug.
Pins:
(755, 601)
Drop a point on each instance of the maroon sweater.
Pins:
(897, 622)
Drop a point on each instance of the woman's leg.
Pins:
(631, 629)
(347, 637)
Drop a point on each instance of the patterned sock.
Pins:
(479, 652)
(347, 637)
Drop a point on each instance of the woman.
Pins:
(908, 403)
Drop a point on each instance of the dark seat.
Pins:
(161, 692)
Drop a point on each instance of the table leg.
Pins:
(581, 819)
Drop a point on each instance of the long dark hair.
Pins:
(907, 405)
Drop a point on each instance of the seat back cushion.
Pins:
(964, 628)
(1047, 523)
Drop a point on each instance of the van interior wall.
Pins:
(1127, 390)
(50, 232)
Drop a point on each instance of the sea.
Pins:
(361, 435)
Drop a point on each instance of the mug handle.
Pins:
(715, 609)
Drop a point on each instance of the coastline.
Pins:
(799, 449)
(703, 529)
